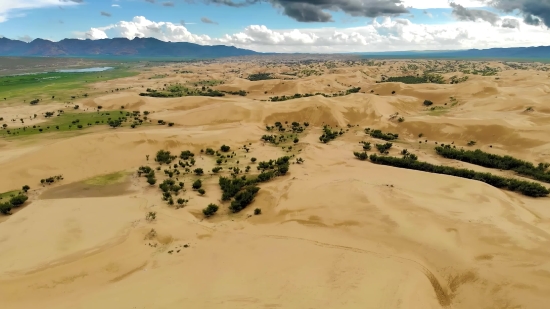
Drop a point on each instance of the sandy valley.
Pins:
(327, 228)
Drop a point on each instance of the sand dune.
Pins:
(335, 232)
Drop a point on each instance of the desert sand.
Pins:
(334, 232)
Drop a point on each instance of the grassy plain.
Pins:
(55, 86)
(65, 122)
(107, 179)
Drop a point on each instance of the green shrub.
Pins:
(197, 184)
(210, 210)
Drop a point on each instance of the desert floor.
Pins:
(334, 232)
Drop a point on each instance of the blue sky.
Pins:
(359, 25)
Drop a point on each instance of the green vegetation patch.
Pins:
(107, 179)
(424, 79)
(532, 189)
(260, 76)
(178, 90)
(7, 195)
(306, 95)
(60, 86)
(490, 160)
(207, 83)
(66, 122)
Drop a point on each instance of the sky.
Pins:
(318, 26)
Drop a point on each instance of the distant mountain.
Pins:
(116, 47)
(536, 52)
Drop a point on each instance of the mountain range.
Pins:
(151, 48)
(535, 52)
(116, 47)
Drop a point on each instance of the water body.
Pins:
(87, 70)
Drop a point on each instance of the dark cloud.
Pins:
(464, 14)
(169, 4)
(532, 20)
(150, 1)
(208, 21)
(182, 22)
(103, 13)
(510, 23)
(61, 22)
(535, 12)
(75, 1)
(316, 10)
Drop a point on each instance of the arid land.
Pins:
(334, 231)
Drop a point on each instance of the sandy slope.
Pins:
(334, 233)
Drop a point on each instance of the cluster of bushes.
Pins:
(210, 210)
(295, 127)
(51, 179)
(329, 134)
(149, 173)
(381, 135)
(177, 90)
(259, 76)
(384, 148)
(169, 187)
(14, 202)
(366, 145)
(305, 95)
(242, 93)
(456, 80)
(424, 79)
(164, 156)
(489, 160)
(527, 188)
(244, 189)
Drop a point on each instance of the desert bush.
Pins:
(197, 184)
(18, 200)
(186, 155)
(210, 210)
(381, 135)
(361, 155)
(5, 208)
(216, 169)
(383, 148)
(151, 216)
(428, 102)
(201, 191)
(243, 199)
(164, 156)
(257, 211)
(198, 171)
(225, 148)
(329, 134)
(366, 146)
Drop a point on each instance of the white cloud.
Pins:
(115, 5)
(381, 35)
(9, 6)
(141, 27)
